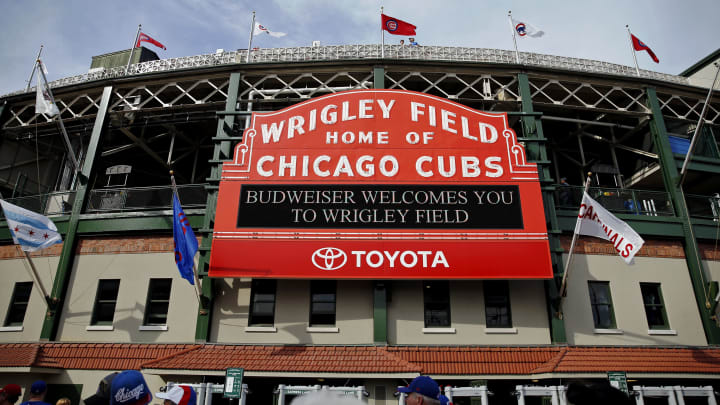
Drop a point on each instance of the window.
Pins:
(322, 302)
(262, 302)
(158, 301)
(105, 301)
(601, 303)
(497, 304)
(18, 304)
(437, 304)
(654, 306)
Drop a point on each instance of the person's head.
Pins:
(402, 42)
(422, 390)
(563, 180)
(102, 395)
(10, 394)
(412, 39)
(38, 389)
(129, 388)
(63, 401)
(178, 395)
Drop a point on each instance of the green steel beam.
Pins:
(699, 164)
(646, 225)
(222, 152)
(536, 152)
(670, 177)
(378, 77)
(62, 276)
(125, 223)
(380, 312)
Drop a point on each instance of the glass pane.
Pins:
(262, 309)
(328, 297)
(104, 312)
(18, 304)
(108, 289)
(654, 316)
(323, 307)
(160, 289)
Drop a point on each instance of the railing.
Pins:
(145, 198)
(51, 204)
(616, 200)
(703, 206)
(340, 52)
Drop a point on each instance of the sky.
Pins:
(73, 31)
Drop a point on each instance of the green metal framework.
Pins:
(67, 256)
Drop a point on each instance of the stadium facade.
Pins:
(117, 300)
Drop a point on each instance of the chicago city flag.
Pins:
(44, 104)
(594, 220)
(30, 230)
(186, 244)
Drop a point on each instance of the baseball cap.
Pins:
(129, 388)
(180, 395)
(423, 385)
(38, 387)
(102, 395)
(12, 392)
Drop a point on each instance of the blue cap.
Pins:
(129, 388)
(423, 385)
(38, 387)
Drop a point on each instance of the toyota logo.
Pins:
(329, 258)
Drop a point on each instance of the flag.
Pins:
(639, 45)
(186, 244)
(44, 103)
(147, 38)
(30, 230)
(261, 29)
(525, 29)
(397, 27)
(594, 220)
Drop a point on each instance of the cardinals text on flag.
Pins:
(525, 29)
(261, 29)
(30, 230)
(186, 244)
(44, 103)
(639, 45)
(594, 220)
(147, 38)
(397, 27)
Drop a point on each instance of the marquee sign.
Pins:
(380, 184)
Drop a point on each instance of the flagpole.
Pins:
(252, 31)
(34, 275)
(59, 120)
(566, 270)
(132, 50)
(197, 280)
(698, 127)
(382, 34)
(517, 54)
(637, 69)
(32, 73)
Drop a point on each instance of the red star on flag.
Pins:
(17, 229)
(31, 232)
(46, 236)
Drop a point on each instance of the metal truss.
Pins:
(688, 108)
(457, 85)
(587, 95)
(192, 91)
(302, 85)
(375, 51)
(70, 106)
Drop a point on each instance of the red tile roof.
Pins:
(435, 360)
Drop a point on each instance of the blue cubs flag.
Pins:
(30, 230)
(185, 242)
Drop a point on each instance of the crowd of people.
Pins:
(118, 388)
(129, 388)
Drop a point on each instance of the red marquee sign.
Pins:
(380, 184)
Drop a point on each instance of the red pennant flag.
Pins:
(639, 45)
(397, 27)
(146, 38)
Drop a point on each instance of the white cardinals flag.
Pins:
(44, 104)
(261, 29)
(525, 29)
(594, 220)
